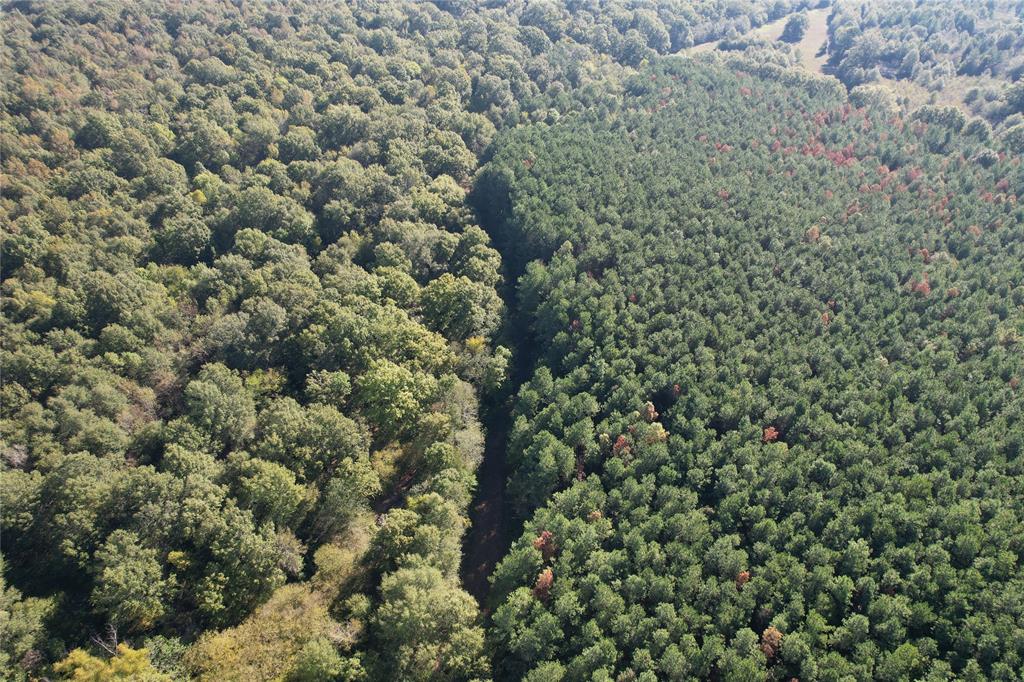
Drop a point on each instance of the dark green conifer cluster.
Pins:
(776, 428)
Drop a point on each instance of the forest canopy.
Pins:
(970, 54)
(775, 428)
(745, 341)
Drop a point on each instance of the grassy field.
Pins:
(812, 57)
(813, 40)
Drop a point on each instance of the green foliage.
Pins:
(774, 396)
(130, 587)
(249, 310)
(283, 638)
(22, 623)
(393, 397)
(427, 627)
(1014, 139)
(127, 664)
(460, 308)
(222, 222)
(311, 441)
(428, 531)
(318, 661)
(268, 489)
(796, 27)
(946, 48)
(167, 654)
(218, 403)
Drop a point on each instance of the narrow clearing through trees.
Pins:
(487, 539)
(490, 533)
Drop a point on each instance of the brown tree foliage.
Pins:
(542, 588)
(771, 639)
(545, 543)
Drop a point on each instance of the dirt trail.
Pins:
(488, 537)
(491, 531)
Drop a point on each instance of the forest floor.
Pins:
(488, 536)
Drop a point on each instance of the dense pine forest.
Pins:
(471, 340)
(779, 392)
